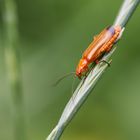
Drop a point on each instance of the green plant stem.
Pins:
(82, 92)
(78, 98)
(13, 66)
(126, 12)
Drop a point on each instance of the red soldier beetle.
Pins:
(100, 45)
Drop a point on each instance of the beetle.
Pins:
(100, 45)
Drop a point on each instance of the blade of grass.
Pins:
(126, 12)
(82, 91)
(11, 43)
(79, 97)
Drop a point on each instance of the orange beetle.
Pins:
(101, 44)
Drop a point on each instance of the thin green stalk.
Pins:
(13, 66)
(126, 12)
(82, 92)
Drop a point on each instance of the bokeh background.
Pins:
(53, 35)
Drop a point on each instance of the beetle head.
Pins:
(82, 68)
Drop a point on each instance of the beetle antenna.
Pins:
(63, 77)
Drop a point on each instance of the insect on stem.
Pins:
(101, 45)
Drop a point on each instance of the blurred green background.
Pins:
(53, 35)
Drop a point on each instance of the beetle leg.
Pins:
(96, 61)
(105, 62)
